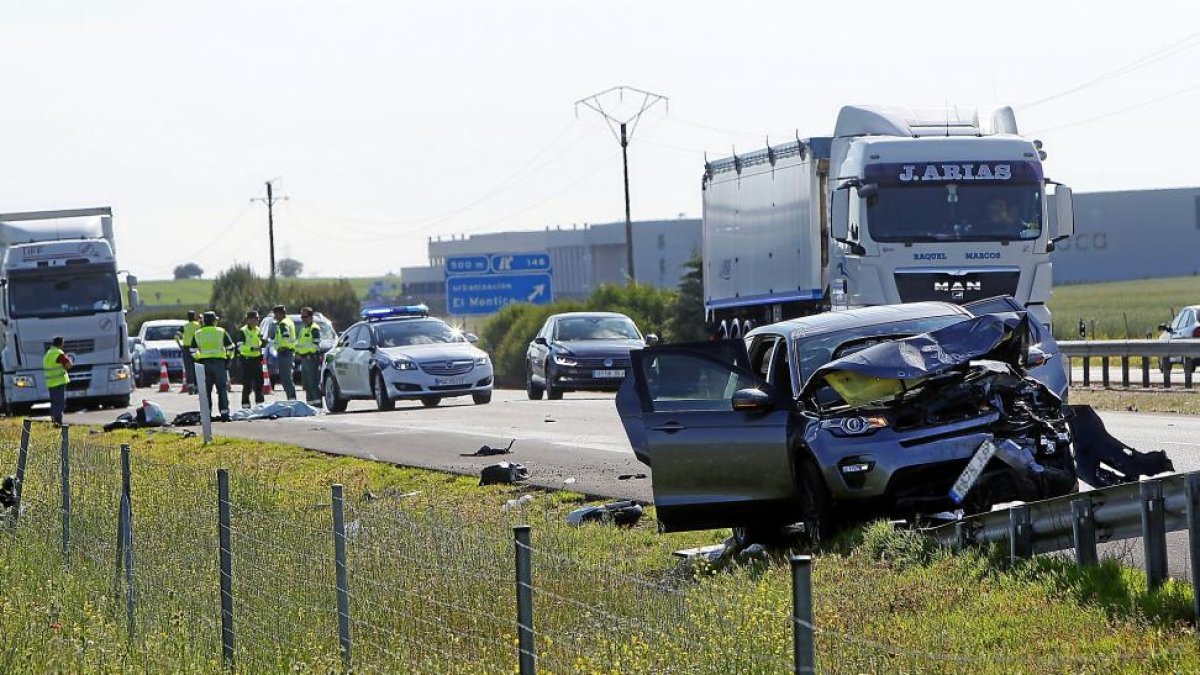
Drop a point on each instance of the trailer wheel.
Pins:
(723, 331)
(736, 333)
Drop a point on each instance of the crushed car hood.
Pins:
(889, 368)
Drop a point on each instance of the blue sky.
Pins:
(390, 122)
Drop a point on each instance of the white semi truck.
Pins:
(899, 205)
(58, 276)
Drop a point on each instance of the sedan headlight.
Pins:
(403, 364)
(855, 426)
(481, 360)
(568, 361)
(118, 374)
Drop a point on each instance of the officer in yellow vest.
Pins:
(283, 338)
(308, 342)
(213, 347)
(184, 339)
(249, 349)
(55, 364)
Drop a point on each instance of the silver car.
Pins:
(403, 353)
(155, 344)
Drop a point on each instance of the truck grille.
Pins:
(960, 288)
(443, 368)
(81, 378)
(86, 346)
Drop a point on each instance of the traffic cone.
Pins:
(164, 382)
(183, 381)
(266, 389)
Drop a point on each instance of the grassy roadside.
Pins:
(431, 576)
(196, 292)
(1152, 401)
(1120, 309)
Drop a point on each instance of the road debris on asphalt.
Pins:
(487, 450)
(8, 492)
(631, 476)
(503, 473)
(1102, 460)
(622, 514)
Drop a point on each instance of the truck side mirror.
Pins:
(839, 223)
(1064, 213)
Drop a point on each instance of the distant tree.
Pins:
(687, 319)
(188, 271)
(289, 268)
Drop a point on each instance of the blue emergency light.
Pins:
(406, 311)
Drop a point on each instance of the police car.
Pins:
(398, 353)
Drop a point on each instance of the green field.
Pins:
(195, 292)
(1144, 304)
(430, 565)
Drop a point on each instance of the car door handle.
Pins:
(669, 427)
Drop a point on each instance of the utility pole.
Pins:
(270, 202)
(648, 100)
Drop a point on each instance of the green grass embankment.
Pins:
(1143, 303)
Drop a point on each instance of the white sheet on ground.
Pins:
(273, 410)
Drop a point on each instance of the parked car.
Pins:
(403, 353)
(581, 350)
(872, 411)
(155, 343)
(329, 337)
(1185, 326)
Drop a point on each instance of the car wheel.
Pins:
(431, 401)
(483, 398)
(332, 394)
(382, 400)
(534, 391)
(553, 393)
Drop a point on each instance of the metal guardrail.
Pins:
(1150, 352)
(1147, 509)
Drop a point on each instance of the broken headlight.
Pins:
(855, 426)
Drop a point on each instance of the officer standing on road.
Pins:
(250, 344)
(55, 365)
(185, 340)
(307, 348)
(284, 339)
(213, 348)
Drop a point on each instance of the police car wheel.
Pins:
(431, 401)
(332, 394)
(382, 401)
(483, 398)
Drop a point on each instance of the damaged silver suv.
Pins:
(873, 411)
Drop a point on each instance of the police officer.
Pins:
(185, 340)
(213, 347)
(308, 341)
(55, 364)
(249, 349)
(284, 340)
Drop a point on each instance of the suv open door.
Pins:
(714, 434)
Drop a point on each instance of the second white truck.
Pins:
(898, 205)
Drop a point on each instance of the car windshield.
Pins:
(162, 332)
(817, 350)
(63, 292)
(418, 332)
(595, 328)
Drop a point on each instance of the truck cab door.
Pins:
(713, 466)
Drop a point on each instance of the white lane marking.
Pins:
(553, 439)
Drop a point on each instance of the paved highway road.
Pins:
(578, 437)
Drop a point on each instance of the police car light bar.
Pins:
(395, 312)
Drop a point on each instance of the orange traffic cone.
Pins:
(164, 382)
(183, 381)
(266, 389)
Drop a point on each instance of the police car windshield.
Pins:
(415, 332)
(595, 328)
(955, 212)
(162, 332)
(62, 292)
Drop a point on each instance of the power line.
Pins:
(1126, 109)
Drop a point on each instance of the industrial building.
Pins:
(582, 257)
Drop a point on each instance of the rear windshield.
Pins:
(817, 350)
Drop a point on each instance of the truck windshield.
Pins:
(63, 292)
(955, 212)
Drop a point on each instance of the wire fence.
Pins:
(423, 590)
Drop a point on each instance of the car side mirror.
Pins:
(751, 400)
(1163, 326)
(362, 344)
(1035, 357)
(471, 337)
(652, 339)
(539, 340)
(135, 341)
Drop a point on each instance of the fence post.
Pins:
(804, 655)
(1146, 372)
(1104, 371)
(22, 457)
(1083, 527)
(205, 404)
(1087, 371)
(1154, 534)
(127, 542)
(1125, 371)
(226, 567)
(1191, 487)
(1167, 375)
(1020, 533)
(65, 470)
(962, 536)
(527, 649)
(343, 584)
(1187, 374)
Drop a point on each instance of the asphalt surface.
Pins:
(576, 443)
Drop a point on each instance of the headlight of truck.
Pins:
(565, 360)
(118, 374)
(22, 382)
(855, 426)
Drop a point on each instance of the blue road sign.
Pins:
(505, 263)
(488, 293)
(468, 264)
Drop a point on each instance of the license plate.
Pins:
(975, 467)
(603, 374)
(76, 393)
(447, 381)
